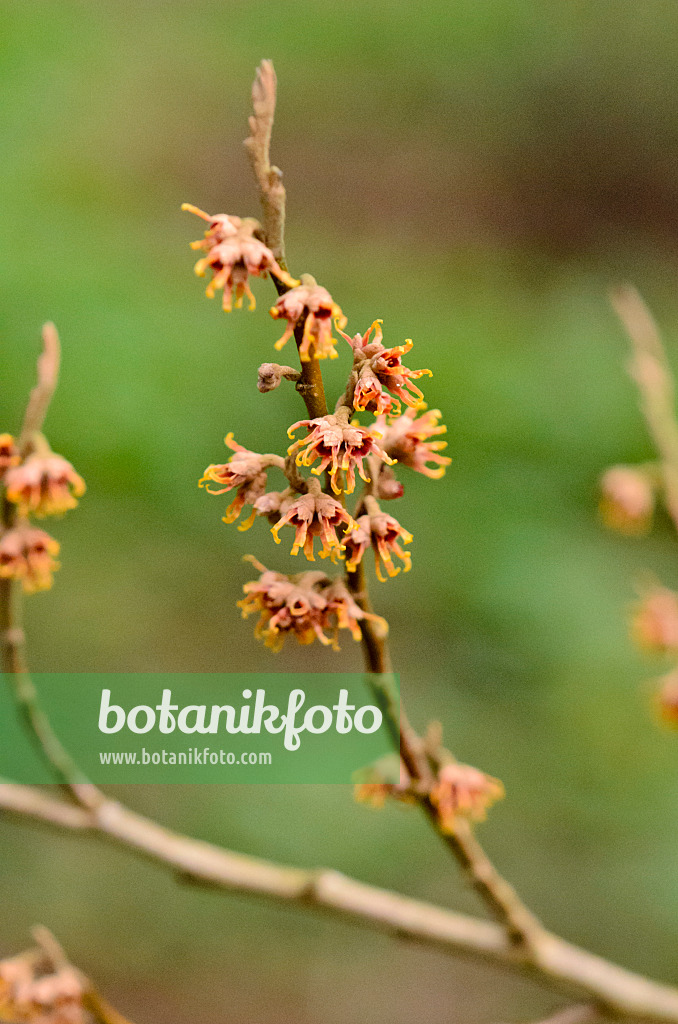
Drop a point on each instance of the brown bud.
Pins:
(271, 375)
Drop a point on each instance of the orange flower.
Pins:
(246, 471)
(28, 554)
(45, 485)
(8, 454)
(286, 605)
(233, 253)
(32, 991)
(304, 606)
(627, 498)
(348, 612)
(320, 309)
(338, 444)
(463, 791)
(407, 440)
(315, 515)
(654, 625)
(379, 366)
(383, 533)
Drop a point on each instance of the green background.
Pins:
(477, 173)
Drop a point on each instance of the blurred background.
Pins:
(478, 174)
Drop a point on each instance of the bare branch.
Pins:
(650, 369)
(258, 145)
(553, 960)
(41, 395)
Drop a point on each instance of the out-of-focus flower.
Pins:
(654, 624)
(319, 308)
(233, 253)
(286, 605)
(9, 456)
(377, 367)
(315, 515)
(463, 791)
(44, 485)
(28, 554)
(388, 487)
(247, 472)
(348, 612)
(31, 992)
(306, 606)
(667, 698)
(407, 439)
(375, 792)
(383, 533)
(627, 499)
(340, 445)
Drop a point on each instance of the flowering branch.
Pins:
(43, 483)
(554, 961)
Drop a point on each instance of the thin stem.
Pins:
(12, 635)
(650, 370)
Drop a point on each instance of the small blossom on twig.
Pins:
(383, 533)
(286, 605)
(315, 515)
(233, 253)
(28, 554)
(35, 991)
(387, 487)
(463, 791)
(654, 625)
(246, 471)
(306, 606)
(379, 367)
(407, 440)
(374, 791)
(627, 499)
(348, 612)
(316, 305)
(338, 444)
(44, 485)
(9, 455)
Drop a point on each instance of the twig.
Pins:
(12, 636)
(650, 369)
(41, 395)
(556, 962)
(258, 145)
(499, 896)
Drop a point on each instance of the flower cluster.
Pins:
(233, 253)
(323, 467)
(43, 484)
(34, 991)
(376, 368)
(313, 306)
(314, 515)
(307, 606)
(340, 446)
